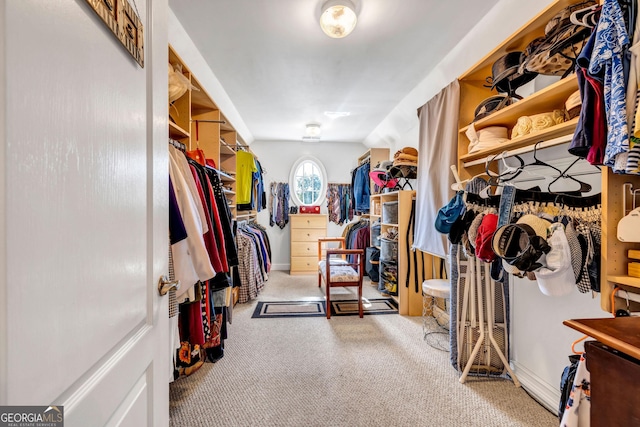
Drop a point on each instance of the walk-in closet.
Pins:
(319, 213)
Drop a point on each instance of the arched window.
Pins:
(308, 181)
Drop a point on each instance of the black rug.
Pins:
(279, 309)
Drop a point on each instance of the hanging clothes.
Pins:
(279, 204)
(193, 216)
(360, 188)
(245, 168)
(357, 235)
(199, 214)
(254, 262)
(610, 43)
(338, 196)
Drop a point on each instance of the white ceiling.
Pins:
(282, 72)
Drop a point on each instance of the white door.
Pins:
(83, 214)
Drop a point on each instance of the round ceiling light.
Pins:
(338, 18)
(312, 130)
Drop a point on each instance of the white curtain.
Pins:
(438, 148)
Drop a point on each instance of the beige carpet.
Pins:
(347, 371)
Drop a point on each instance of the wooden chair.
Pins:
(335, 270)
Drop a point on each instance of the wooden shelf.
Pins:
(200, 100)
(545, 100)
(226, 150)
(517, 42)
(176, 132)
(566, 128)
(625, 280)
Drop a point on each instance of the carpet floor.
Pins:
(346, 371)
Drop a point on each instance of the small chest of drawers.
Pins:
(305, 231)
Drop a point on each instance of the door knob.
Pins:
(165, 285)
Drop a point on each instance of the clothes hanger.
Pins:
(509, 172)
(578, 17)
(573, 345)
(584, 187)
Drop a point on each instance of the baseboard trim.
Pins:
(545, 394)
(284, 267)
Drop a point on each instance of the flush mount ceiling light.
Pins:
(312, 130)
(338, 18)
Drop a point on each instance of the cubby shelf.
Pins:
(196, 121)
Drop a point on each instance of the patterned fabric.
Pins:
(575, 249)
(338, 203)
(584, 237)
(578, 410)
(248, 269)
(339, 273)
(610, 42)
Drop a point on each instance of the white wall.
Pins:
(400, 127)
(278, 159)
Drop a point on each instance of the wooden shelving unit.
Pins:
(473, 92)
(196, 121)
(374, 156)
(614, 253)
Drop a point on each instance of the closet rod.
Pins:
(528, 149)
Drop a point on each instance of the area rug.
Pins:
(279, 309)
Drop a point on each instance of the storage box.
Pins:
(388, 250)
(375, 234)
(390, 212)
(388, 278)
(309, 209)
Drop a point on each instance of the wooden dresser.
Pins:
(305, 231)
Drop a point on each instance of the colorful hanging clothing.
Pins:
(610, 42)
(338, 203)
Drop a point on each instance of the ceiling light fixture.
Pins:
(313, 130)
(338, 18)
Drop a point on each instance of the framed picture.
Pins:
(124, 23)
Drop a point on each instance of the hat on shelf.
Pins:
(406, 156)
(506, 75)
(380, 175)
(556, 277)
(537, 122)
(573, 105)
(485, 138)
(449, 213)
(405, 164)
(491, 105)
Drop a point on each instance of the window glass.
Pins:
(308, 181)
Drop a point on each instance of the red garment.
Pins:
(209, 237)
(599, 124)
(222, 250)
(190, 324)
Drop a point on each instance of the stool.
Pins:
(435, 320)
